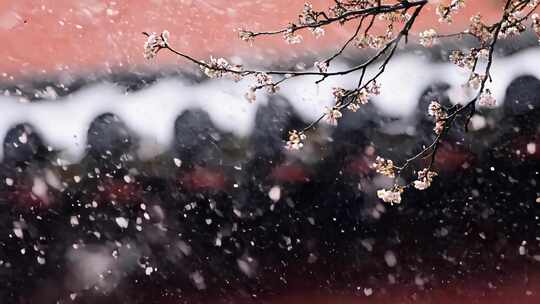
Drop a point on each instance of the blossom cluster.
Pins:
(436, 110)
(445, 12)
(296, 140)
(392, 196)
(308, 16)
(486, 99)
(374, 42)
(322, 66)
(363, 95)
(478, 29)
(475, 80)
(360, 97)
(425, 177)
(332, 114)
(384, 166)
(154, 43)
(219, 67)
(462, 59)
(337, 10)
(317, 32)
(373, 88)
(395, 17)
(262, 80)
(246, 35)
(428, 38)
(379, 41)
(342, 7)
(338, 94)
(512, 26)
(291, 37)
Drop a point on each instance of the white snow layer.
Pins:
(151, 113)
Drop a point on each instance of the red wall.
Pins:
(50, 36)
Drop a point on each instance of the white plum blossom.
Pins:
(353, 107)
(478, 29)
(291, 37)
(245, 35)
(318, 32)
(296, 140)
(154, 43)
(363, 96)
(322, 66)
(220, 67)
(374, 88)
(462, 60)
(512, 26)
(263, 80)
(308, 15)
(486, 99)
(216, 67)
(428, 38)
(439, 126)
(424, 180)
(445, 11)
(392, 196)
(436, 110)
(475, 80)
(338, 94)
(332, 115)
(384, 167)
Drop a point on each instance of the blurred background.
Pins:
(129, 181)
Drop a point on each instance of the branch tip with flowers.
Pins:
(398, 18)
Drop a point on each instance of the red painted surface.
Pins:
(54, 36)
